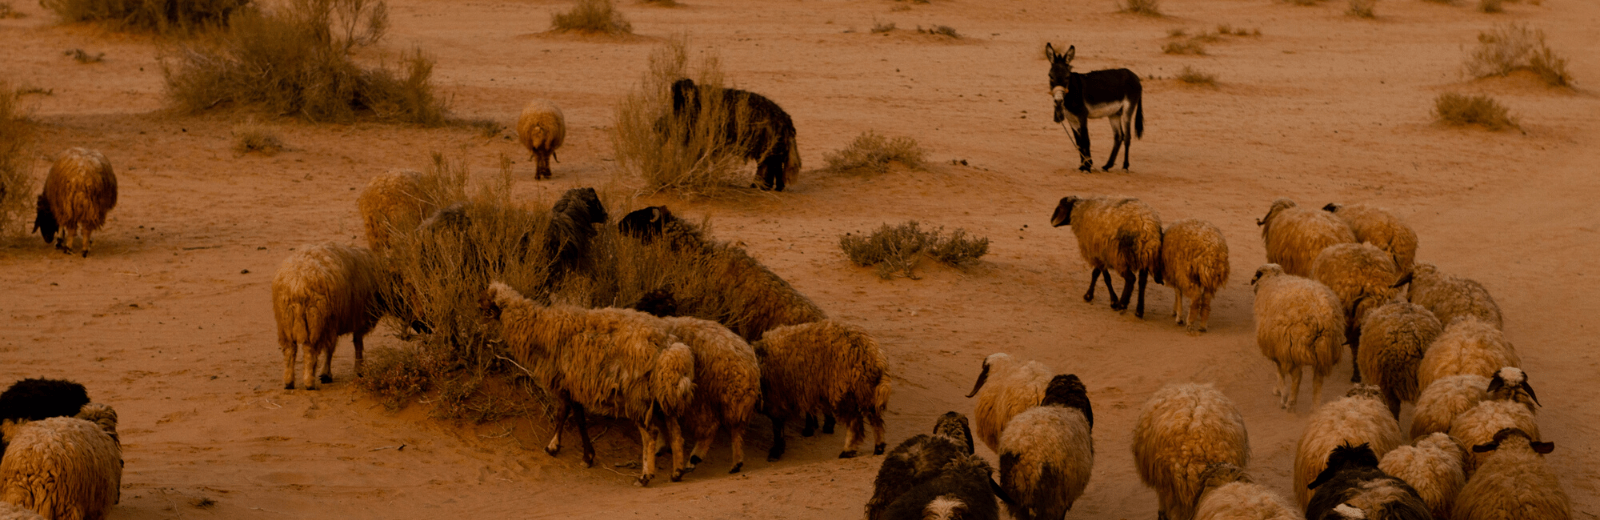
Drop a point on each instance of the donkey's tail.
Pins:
(1138, 120)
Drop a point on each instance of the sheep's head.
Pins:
(1512, 434)
(1067, 391)
(1345, 456)
(1277, 206)
(954, 425)
(45, 221)
(1264, 272)
(582, 205)
(489, 303)
(1218, 474)
(645, 224)
(1332, 207)
(684, 93)
(1365, 392)
(1508, 382)
(1063, 214)
(659, 302)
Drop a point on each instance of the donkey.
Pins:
(1114, 94)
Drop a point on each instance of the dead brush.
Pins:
(900, 249)
(1363, 8)
(16, 179)
(1462, 110)
(81, 56)
(178, 17)
(881, 28)
(1190, 46)
(1512, 47)
(940, 30)
(591, 17)
(1194, 77)
(7, 12)
(251, 136)
(1142, 7)
(874, 153)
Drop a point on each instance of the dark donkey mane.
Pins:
(1114, 94)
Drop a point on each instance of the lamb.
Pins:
(1445, 399)
(918, 460)
(1047, 453)
(1466, 346)
(1381, 228)
(1194, 260)
(824, 367)
(541, 128)
(614, 362)
(1363, 276)
(727, 385)
(1294, 236)
(1450, 296)
(79, 191)
(1182, 430)
(1433, 467)
(1359, 418)
(62, 467)
(1228, 493)
(1298, 324)
(1479, 424)
(1353, 487)
(1514, 482)
(1016, 387)
(394, 203)
(1395, 336)
(960, 491)
(322, 292)
(1115, 234)
(749, 121)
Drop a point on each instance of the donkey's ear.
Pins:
(1072, 50)
(1050, 51)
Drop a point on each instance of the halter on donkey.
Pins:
(1114, 94)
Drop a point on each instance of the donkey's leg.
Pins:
(1127, 144)
(1118, 134)
(1086, 161)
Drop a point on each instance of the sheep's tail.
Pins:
(791, 167)
(1138, 119)
(880, 394)
(674, 379)
(299, 329)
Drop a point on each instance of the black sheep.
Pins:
(37, 399)
(1352, 486)
(919, 460)
(762, 127)
(572, 220)
(962, 490)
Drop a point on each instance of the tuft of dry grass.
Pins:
(1363, 8)
(1144, 7)
(1194, 77)
(1190, 46)
(873, 153)
(1511, 47)
(591, 17)
(80, 56)
(251, 136)
(155, 16)
(900, 249)
(940, 30)
(1481, 110)
(1491, 6)
(16, 179)
(879, 28)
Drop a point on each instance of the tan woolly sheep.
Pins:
(1363, 276)
(9, 511)
(1228, 493)
(393, 204)
(1433, 467)
(1442, 401)
(78, 193)
(318, 294)
(1381, 228)
(541, 128)
(1194, 261)
(1479, 424)
(1466, 346)
(727, 386)
(1182, 430)
(1450, 296)
(1119, 235)
(1395, 337)
(1005, 388)
(1514, 483)
(1294, 235)
(63, 467)
(1360, 417)
(1047, 453)
(1298, 324)
(824, 367)
(614, 362)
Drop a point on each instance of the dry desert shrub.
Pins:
(873, 153)
(7, 12)
(1490, 6)
(16, 179)
(158, 16)
(81, 56)
(1511, 47)
(1189, 46)
(880, 28)
(1363, 8)
(940, 30)
(591, 17)
(251, 136)
(1144, 7)
(900, 249)
(1462, 110)
(1194, 77)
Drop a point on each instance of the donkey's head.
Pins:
(1060, 70)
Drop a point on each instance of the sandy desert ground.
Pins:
(170, 320)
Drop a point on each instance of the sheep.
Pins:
(1298, 324)
(1015, 387)
(727, 385)
(392, 204)
(1047, 453)
(749, 121)
(824, 367)
(1479, 424)
(1395, 336)
(961, 491)
(1194, 260)
(8, 511)
(1442, 401)
(1514, 483)
(1363, 276)
(648, 223)
(1182, 430)
(567, 244)
(1450, 296)
(614, 362)
(1511, 384)
(1228, 493)
(1115, 234)
(1294, 236)
(1433, 467)
(1353, 487)
(79, 191)
(1466, 346)
(541, 128)
(35, 399)
(1360, 417)
(322, 292)
(62, 467)
(1382, 229)
(918, 460)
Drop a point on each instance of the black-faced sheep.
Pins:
(1298, 324)
(392, 204)
(1294, 236)
(1450, 296)
(824, 367)
(1182, 430)
(79, 191)
(961, 491)
(1511, 384)
(1381, 228)
(1228, 493)
(1047, 453)
(572, 232)
(1442, 401)
(1363, 276)
(1514, 482)
(750, 120)
(727, 386)
(1194, 261)
(919, 460)
(1466, 346)
(63, 467)
(1006, 387)
(1115, 234)
(1352, 487)
(322, 292)
(1433, 467)
(657, 221)
(35, 399)
(1395, 337)
(1359, 418)
(614, 362)
(541, 128)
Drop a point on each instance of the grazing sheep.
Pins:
(1353, 487)
(1228, 493)
(749, 120)
(1360, 417)
(1445, 399)
(1294, 236)
(1047, 453)
(1433, 467)
(1395, 336)
(1182, 430)
(1363, 276)
(319, 293)
(572, 232)
(759, 300)
(1381, 228)
(1298, 324)
(62, 467)
(919, 460)
(1194, 261)
(80, 189)
(961, 491)
(393, 204)
(824, 367)
(727, 386)
(648, 223)
(1450, 296)
(1466, 346)
(1479, 424)
(614, 362)
(540, 129)
(1115, 234)
(1514, 482)
(1006, 387)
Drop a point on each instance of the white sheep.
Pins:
(1119, 235)
(1382, 229)
(1479, 424)
(825, 367)
(79, 191)
(1194, 261)
(1047, 453)
(1228, 493)
(1182, 430)
(1450, 296)
(1294, 236)
(541, 128)
(1394, 338)
(319, 293)
(1363, 277)
(1006, 387)
(727, 386)
(1514, 483)
(1442, 401)
(1359, 418)
(1298, 323)
(395, 203)
(63, 467)
(1433, 466)
(1466, 346)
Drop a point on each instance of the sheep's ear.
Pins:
(1542, 447)
(657, 214)
(1331, 207)
(1487, 447)
(982, 376)
(1529, 388)
(1324, 477)
(1403, 280)
(966, 432)
(1496, 383)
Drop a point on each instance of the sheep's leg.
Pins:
(1294, 386)
(1200, 306)
(1121, 304)
(327, 362)
(1393, 402)
(1354, 333)
(648, 430)
(1316, 387)
(355, 340)
(1106, 275)
(583, 435)
(777, 439)
(702, 445)
(809, 427)
(736, 442)
(289, 348)
(827, 423)
(88, 240)
(878, 444)
(308, 370)
(854, 431)
(542, 171)
(1177, 304)
(675, 436)
(563, 410)
(1094, 276)
(1144, 276)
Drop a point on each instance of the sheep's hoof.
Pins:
(588, 460)
(325, 378)
(86, 253)
(1355, 378)
(775, 453)
(877, 449)
(552, 450)
(288, 386)
(694, 460)
(663, 451)
(847, 454)
(677, 475)
(807, 432)
(736, 467)
(644, 481)
(827, 426)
